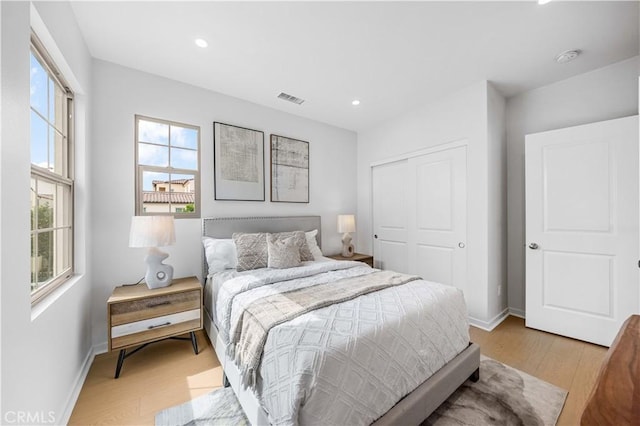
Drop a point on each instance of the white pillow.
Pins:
(313, 244)
(220, 253)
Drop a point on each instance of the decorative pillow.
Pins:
(312, 243)
(283, 252)
(220, 254)
(301, 242)
(252, 250)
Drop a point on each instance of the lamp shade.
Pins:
(346, 223)
(152, 231)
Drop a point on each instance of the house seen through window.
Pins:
(168, 163)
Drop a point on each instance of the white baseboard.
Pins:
(77, 387)
(492, 323)
(100, 348)
(517, 313)
(79, 382)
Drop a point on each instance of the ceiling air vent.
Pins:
(290, 98)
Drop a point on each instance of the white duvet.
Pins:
(349, 363)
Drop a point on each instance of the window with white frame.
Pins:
(167, 168)
(51, 127)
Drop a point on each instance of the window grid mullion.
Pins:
(169, 154)
(51, 228)
(34, 234)
(50, 176)
(49, 125)
(159, 169)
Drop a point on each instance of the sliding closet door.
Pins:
(437, 216)
(420, 216)
(389, 183)
(582, 229)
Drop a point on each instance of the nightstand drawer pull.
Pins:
(155, 305)
(151, 327)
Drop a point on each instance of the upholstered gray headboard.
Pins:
(224, 227)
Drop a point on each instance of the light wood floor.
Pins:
(161, 375)
(168, 373)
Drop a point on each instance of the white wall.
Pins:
(460, 116)
(2, 136)
(497, 202)
(44, 350)
(603, 94)
(118, 94)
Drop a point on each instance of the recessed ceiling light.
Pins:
(567, 56)
(200, 42)
(355, 102)
(543, 1)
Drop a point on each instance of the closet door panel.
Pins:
(390, 215)
(437, 216)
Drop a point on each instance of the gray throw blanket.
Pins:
(250, 334)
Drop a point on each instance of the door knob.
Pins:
(533, 246)
(461, 245)
(375, 236)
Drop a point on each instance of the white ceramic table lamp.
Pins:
(154, 232)
(346, 224)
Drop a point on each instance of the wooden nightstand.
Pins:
(138, 316)
(359, 257)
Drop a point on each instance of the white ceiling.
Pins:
(392, 56)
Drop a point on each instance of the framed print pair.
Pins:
(239, 166)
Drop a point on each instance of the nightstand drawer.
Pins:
(151, 307)
(140, 332)
(154, 323)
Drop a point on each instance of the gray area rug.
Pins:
(502, 396)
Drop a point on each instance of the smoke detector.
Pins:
(567, 56)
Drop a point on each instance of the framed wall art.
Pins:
(238, 161)
(289, 170)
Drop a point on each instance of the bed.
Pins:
(380, 391)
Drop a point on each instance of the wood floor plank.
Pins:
(583, 381)
(559, 365)
(168, 373)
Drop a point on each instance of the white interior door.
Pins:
(389, 183)
(582, 229)
(437, 218)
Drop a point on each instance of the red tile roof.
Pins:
(166, 197)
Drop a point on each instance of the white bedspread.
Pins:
(347, 363)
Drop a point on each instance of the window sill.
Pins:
(48, 300)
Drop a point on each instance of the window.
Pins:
(167, 168)
(51, 175)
